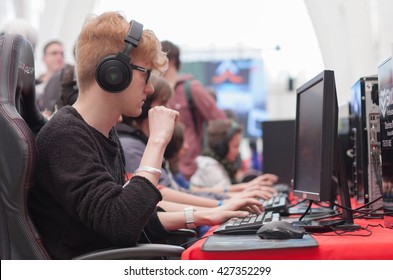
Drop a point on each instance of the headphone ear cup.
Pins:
(113, 74)
(221, 149)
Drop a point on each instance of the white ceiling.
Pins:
(354, 36)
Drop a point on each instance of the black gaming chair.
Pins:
(20, 121)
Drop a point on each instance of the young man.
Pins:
(53, 58)
(80, 201)
(193, 117)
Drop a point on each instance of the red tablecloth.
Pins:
(379, 245)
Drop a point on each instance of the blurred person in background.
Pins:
(195, 105)
(218, 164)
(53, 58)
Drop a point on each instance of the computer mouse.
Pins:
(280, 230)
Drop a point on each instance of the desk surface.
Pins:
(351, 246)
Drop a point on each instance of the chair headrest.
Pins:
(17, 79)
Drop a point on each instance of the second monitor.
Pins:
(278, 149)
(319, 161)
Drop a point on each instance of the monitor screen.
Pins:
(315, 137)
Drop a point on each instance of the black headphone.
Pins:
(221, 148)
(114, 72)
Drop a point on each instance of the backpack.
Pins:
(187, 90)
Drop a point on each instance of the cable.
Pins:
(317, 217)
(361, 228)
(148, 240)
(341, 232)
(379, 225)
(320, 204)
(371, 202)
(193, 241)
(296, 204)
(314, 217)
(356, 210)
(346, 232)
(307, 210)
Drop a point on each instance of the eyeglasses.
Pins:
(144, 70)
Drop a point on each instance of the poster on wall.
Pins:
(240, 86)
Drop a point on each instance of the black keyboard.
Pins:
(277, 204)
(247, 225)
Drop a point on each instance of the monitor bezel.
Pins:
(328, 137)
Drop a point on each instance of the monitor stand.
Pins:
(346, 222)
(302, 207)
(345, 200)
(319, 226)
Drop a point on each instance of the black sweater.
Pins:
(77, 202)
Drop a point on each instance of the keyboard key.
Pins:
(277, 204)
(268, 217)
(247, 225)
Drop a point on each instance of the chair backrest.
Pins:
(20, 121)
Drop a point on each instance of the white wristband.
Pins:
(149, 169)
(189, 215)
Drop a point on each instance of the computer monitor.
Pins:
(278, 149)
(319, 162)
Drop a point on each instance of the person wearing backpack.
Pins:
(194, 104)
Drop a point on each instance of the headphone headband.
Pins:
(231, 131)
(133, 36)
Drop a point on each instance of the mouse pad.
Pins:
(221, 243)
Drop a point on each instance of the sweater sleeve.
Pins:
(155, 230)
